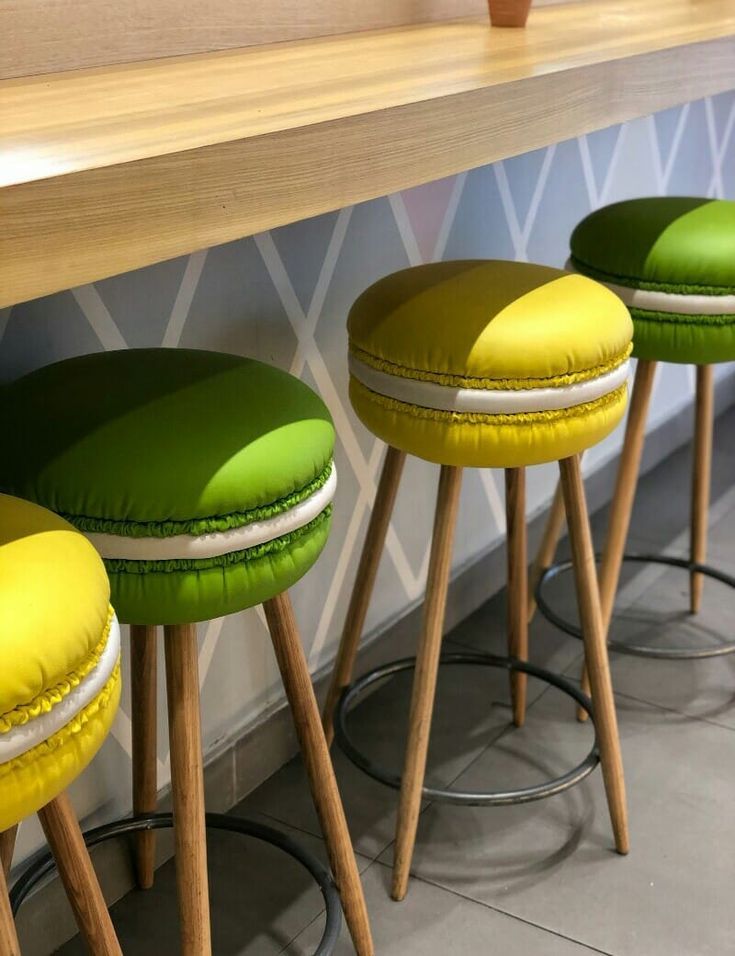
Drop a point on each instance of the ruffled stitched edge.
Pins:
(681, 318)
(126, 566)
(648, 285)
(199, 526)
(44, 702)
(75, 725)
(468, 381)
(477, 418)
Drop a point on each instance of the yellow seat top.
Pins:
(489, 364)
(59, 657)
(54, 602)
(490, 320)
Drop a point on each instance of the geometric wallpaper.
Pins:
(282, 296)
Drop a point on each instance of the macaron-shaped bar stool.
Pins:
(205, 481)
(59, 692)
(484, 364)
(671, 260)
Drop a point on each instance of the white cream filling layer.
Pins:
(486, 401)
(653, 301)
(191, 547)
(25, 737)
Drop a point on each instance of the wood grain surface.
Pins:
(110, 169)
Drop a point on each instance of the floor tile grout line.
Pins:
(427, 804)
(658, 706)
(286, 823)
(468, 899)
(430, 803)
(320, 836)
(502, 912)
(320, 913)
(673, 710)
(501, 733)
(302, 930)
(507, 729)
(373, 859)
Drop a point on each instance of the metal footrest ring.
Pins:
(45, 865)
(471, 799)
(640, 650)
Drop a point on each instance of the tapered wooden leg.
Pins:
(187, 787)
(547, 549)
(9, 945)
(362, 591)
(625, 485)
(8, 939)
(62, 831)
(7, 845)
(623, 496)
(424, 682)
(145, 760)
(515, 510)
(595, 645)
(701, 473)
(300, 692)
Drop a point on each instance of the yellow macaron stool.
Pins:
(59, 691)
(484, 364)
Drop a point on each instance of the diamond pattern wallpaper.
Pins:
(283, 296)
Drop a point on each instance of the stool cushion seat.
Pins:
(60, 654)
(205, 480)
(489, 363)
(671, 259)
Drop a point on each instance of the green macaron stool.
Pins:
(205, 481)
(672, 261)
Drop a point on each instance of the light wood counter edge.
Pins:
(74, 229)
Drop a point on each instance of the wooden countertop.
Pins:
(110, 169)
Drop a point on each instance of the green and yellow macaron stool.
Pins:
(484, 364)
(59, 692)
(205, 481)
(671, 260)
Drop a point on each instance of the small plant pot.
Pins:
(509, 13)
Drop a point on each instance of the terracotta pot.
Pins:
(509, 13)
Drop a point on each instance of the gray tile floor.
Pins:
(540, 879)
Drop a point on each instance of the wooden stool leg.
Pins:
(7, 846)
(595, 645)
(367, 570)
(145, 758)
(701, 472)
(625, 485)
(9, 945)
(623, 496)
(547, 549)
(62, 831)
(187, 787)
(300, 692)
(424, 682)
(515, 510)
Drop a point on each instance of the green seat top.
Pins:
(203, 479)
(672, 261)
(162, 435)
(673, 244)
